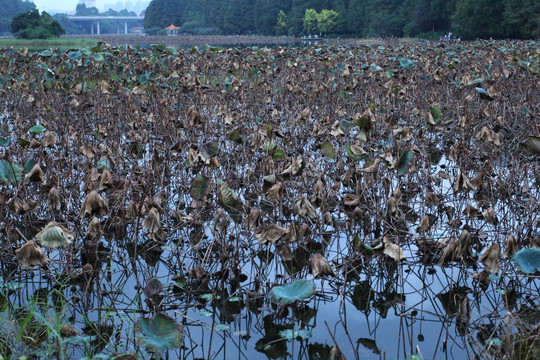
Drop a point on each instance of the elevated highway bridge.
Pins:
(97, 19)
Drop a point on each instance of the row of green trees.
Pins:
(366, 18)
(10, 8)
(32, 25)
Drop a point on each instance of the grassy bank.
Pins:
(47, 43)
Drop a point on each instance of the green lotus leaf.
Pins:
(436, 114)
(198, 187)
(355, 152)
(328, 150)
(37, 129)
(290, 334)
(55, 235)
(10, 173)
(98, 57)
(210, 149)
(159, 334)
(29, 165)
(483, 94)
(103, 164)
(297, 290)
(527, 260)
(402, 167)
(226, 195)
(279, 155)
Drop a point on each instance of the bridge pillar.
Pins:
(98, 27)
(125, 27)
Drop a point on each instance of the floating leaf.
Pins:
(5, 141)
(297, 290)
(55, 235)
(290, 334)
(221, 327)
(159, 334)
(527, 260)
(402, 167)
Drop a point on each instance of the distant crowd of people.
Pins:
(449, 37)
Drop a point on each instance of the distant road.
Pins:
(96, 18)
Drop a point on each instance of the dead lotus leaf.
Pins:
(511, 246)
(449, 253)
(320, 266)
(491, 258)
(35, 175)
(463, 184)
(272, 233)
(337, 354)
(294, 168)
(304, 208)
(424, 225)
(54, 199)
(253, 220)
(391, 206)
(484, 135)
(392, 250)
(336, 130)
(351, 200)
(48, 139)
(94, 204)
(276, 193)
(373, 168)
(30, 254)
(68, 331)
(490, 217)
(402, 133)
(221, 222)
(152, 222)
(463, 245)
(94, 229)
(55, 235)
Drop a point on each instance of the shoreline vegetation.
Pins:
(52, 42)
(213, 40)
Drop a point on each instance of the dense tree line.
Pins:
(33, 25)
(365, 18)
(10, 8)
